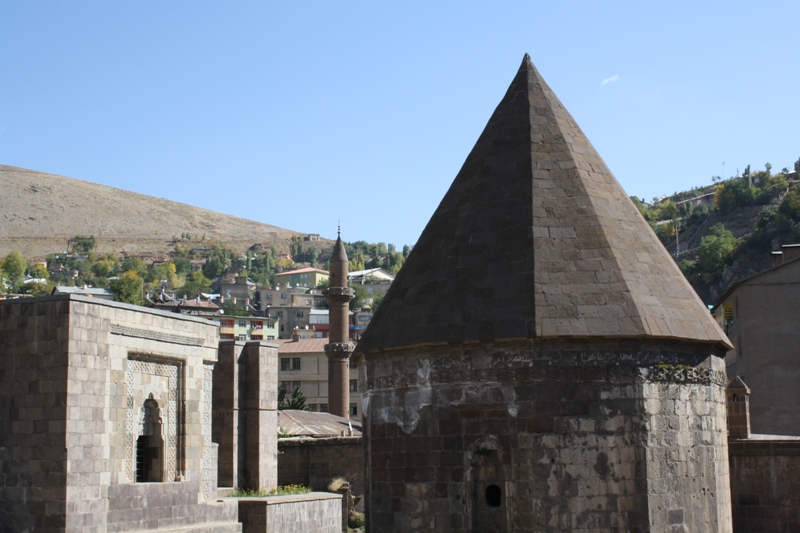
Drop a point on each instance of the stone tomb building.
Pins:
(105, 419)
(540, 363)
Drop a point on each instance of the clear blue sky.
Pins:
(300, 114)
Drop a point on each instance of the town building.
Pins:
(760, 315)
(92, 292)
(246, 328)
(540, 363)
(303, 364)
(308, 277)
(375, 280)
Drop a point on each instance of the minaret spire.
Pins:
(339, 347)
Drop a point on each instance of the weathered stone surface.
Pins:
(81, 380)
(574, 438)
(316, 462)
(765, 484)
(317, 512)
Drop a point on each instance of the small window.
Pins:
(270, 337)
(308, 302)
(283, 296)
(493, 496)
(242, 324)
(278, 313)
(295, 363)
(353, 409)
(269, 296)
(242, 337)
(287, 386)
(353, 364)
(323, 408)
(353, 385)
(300, 314)
(285, 363)
(313, 407)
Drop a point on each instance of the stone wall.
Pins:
(87, 387)
(534, 436)
(765, 485)
(315, 462)
(245, 416)
(316, 512)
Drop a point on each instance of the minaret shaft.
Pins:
(338, 349)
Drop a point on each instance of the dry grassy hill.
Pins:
(40, 212)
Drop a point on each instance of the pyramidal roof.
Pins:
(536, 239)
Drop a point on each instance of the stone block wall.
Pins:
(245, 416)
(317, 512)
(315, 462)
(765, 485)
(124, 377)
(34, 364)
(546, 437)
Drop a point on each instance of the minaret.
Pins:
(338, 349)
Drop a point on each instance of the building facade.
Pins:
(303, 364)
(760, 315)
(540, 363)
(105, 416)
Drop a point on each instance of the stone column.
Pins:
(225, 421)
(738, 396)
(260, 403)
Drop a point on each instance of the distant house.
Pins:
(376, 280)
(239, 289)
(303, 364)
(761, 316)
(194, 306)
(305, 277)
(92, 292)
(246, 328)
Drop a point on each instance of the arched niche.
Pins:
(149, 448)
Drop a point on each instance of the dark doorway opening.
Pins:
(143, 459)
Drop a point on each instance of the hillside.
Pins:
(40, 212)
(730, 234)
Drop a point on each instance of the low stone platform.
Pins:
(316, 512)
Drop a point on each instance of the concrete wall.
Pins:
(315, 462)
(310, 513)
(546, 437)
(767, 347)
(765, 485)
(77, 376)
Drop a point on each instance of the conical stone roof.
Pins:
(536, 239)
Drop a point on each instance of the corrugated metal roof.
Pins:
(318, 425)
(302, 346)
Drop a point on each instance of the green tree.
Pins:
(196, 283)
(128, 288)
(103, 268)
(15, 265)
(37, 271)
(215, 266)
(135, 264)
(296, 401)
(182, 265)
(715, 250)
(789, 208)
(82, 244)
